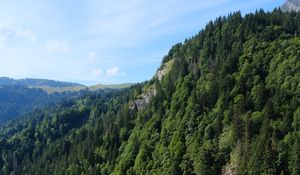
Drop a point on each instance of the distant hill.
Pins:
(51, 86)
(20, 96)
(291, 5)
(32, 82)
(16, 100)
(113, 86)
(83, 88)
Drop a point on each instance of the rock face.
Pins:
(163, 70)
(143, 99)
(160, 73)
(229, 170)
(291, 5)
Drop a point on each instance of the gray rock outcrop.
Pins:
(143, 99)
(161, 73)
(291, 5)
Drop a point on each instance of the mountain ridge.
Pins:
(29, 82)
(52, 86)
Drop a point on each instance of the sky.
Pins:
(102, 41)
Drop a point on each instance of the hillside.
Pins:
(83, 88)
(226, 101)
(21, 96)
(31, 82)
(16, 100)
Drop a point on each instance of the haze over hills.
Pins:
(291, 5)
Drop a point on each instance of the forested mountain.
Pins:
(16, 100)
(52, 86)
(226, 101)
(291, 5)
(21, 96)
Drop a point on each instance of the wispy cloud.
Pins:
(26, 34)
(54, 46)
(129, 23)
(101, 41)
(92, 56)
(111, 72)
(8, 32)
(97, 72)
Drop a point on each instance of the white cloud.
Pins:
(6, 32)
(9, 32)
(111, 72)
(53, 46)
(27, 34)
(97, 72)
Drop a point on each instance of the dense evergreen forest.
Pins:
(21, 96)
(17, 100)
(228, 103)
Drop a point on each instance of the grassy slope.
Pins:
(79, 88)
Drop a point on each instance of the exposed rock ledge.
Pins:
(291, 5)
(229, 169)
(143, 99)
(161, 73)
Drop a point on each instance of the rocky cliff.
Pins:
(143, 99)
(291, 5)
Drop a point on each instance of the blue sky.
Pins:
(101, 41)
